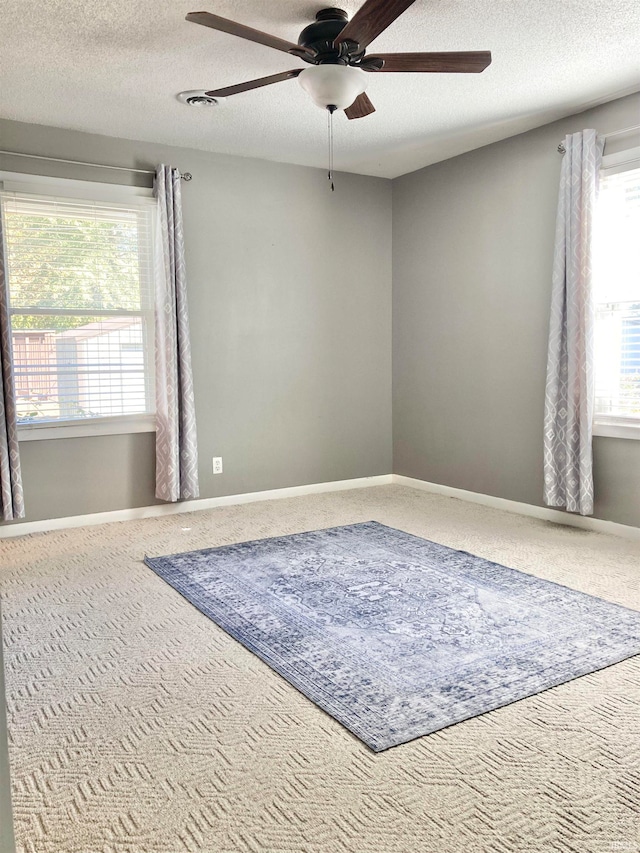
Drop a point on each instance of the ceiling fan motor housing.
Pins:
(320, 35)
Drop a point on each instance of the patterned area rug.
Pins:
(396, 636)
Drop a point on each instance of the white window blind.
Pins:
(81, 298)
(617, 296)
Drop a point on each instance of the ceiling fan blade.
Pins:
(253, 84)
(371, 19)
(360, 108)
(224, 25)
(450, 63)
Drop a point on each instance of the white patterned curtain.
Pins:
(569, 398)
(11, 498)
(176, 441)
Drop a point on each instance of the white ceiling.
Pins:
(115, 66)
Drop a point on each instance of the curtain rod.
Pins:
(563, 150)
(186, 176)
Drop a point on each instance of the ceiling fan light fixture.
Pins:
(333, 85)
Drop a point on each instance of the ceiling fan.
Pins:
(335, 48)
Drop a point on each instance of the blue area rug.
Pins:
(393, 635)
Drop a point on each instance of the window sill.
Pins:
(617, 429)
(95, 426)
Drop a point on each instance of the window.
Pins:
(617, 297)
(81, 302)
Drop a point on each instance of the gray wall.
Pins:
(290, 299)
(290, 304)
(472, 249)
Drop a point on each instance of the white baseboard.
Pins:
(544, 513)
(597, 525)
(22, 528)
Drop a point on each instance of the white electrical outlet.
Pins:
(217, 464)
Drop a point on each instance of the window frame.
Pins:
(615, 426)
(98, 192)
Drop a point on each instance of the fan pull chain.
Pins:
(330, 111)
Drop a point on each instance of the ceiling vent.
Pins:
(199, 98)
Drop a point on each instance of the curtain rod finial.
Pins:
(187, 176)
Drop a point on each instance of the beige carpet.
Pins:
(137, 726)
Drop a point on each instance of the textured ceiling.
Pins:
(115, 66)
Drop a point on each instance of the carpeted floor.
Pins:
(136, 725)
